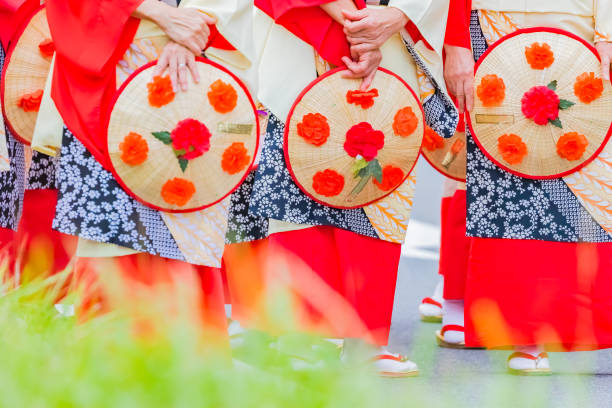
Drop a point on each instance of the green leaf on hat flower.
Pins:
(183, 163)
(164, 137)
(552, 86)
(358, 165)
(565, 104)
(557, 123)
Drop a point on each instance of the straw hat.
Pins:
(541, 109)
(348, 149)
(448, 156)
(183, 151)
(25, 72)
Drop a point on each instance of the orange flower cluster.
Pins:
(30, 102)
(314, 129)
(571, 146)
(588, 88)
(134, 149)
(47, 47)
(539, 56)
(405, 122)
(512, 148)
(177, 191)
(391, 177)
(328, 183)
(235, 158)
(222, 97)
(491, 91)
(432, 141)
(365, 99)
(160, 91)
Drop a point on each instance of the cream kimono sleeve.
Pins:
(603, 20)
(49, 128)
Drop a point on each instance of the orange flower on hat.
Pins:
(222, 96)
(571, 146)
(177, 191)
(328, 183)
(160, 91)
(432, 141)
(405, 122)
(512, 148)
(47, 47)
(539, 56)
(491, 91)
(134, 149)
(588, 88)
(365, 99)
(391, 177)
(30, 102)
(235, 158)
(314, 129)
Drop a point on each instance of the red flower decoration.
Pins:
(177, 191)
(432, 141)
(235, 158)
(541, 104)
(30, 102)
(391, 177)
(539, 56)
(134, 149)
(191, 138)
(491, 91)
(314, 129)
(222, 97)
(363, 140)
(512, 148)
(365, 99)
(160, 91)
(588, 88)
(47, 47)
(571, 146)
(328, 183)
(405, 122)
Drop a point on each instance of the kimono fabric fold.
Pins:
(12, 15)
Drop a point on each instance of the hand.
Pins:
(187, 26)
(459, 76)
(604, 49)
(177, 60)
(365, 67)
(368, 29)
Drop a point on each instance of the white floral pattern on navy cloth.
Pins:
(502, 205)
(275, 194)
(243, 226)
(91, 204)
(41, 174)
(12, 181)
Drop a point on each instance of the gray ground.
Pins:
(458, 378)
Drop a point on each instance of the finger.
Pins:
(193, 68)
(367, 81)
(210, 20)
(363, 48)
(162, 64)
(173, 70)
(354, 14)
(354, 27)
(461, 103)
(605, 67)
(182, 71)
(350, 64)
(468, 87)
(201, 42)
(192, 46)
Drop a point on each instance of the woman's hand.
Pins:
(459, 76)
(368, 29)
(177, 59)
(364, 67)
(604, 49)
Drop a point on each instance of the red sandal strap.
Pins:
(399, 357)
(430, 301)
(520, 354)
(452, 327)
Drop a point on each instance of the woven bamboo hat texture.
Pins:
(25, 72)
(345, 148)
(541, 109)
(183, 151)
(448, 156)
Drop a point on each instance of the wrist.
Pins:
(399, 18)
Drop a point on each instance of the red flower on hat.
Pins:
(491, 91)
(365, 99)
(363, 140)
(222, 96)
(512, 148)
(391, 177)
(328, 183)
(541, 104)
(30, 102)
(47, 47)
(190, 139)
(314, 129)
(177, 191)
(405, 122)
(160, 91)
(588, 88)
(432, 141)
(571, 146)
(134, 149)
(539, 56)
(235, 158)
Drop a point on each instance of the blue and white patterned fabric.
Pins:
(502, 205)
(41, 174)
(243, 226)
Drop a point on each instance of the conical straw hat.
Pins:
(184, 151)
(541, 109)
(25, 72)
(448, 156)
(348, 150)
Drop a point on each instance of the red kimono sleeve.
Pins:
(13, 14)
(90, 37)
(458, 24)
(306, 20)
